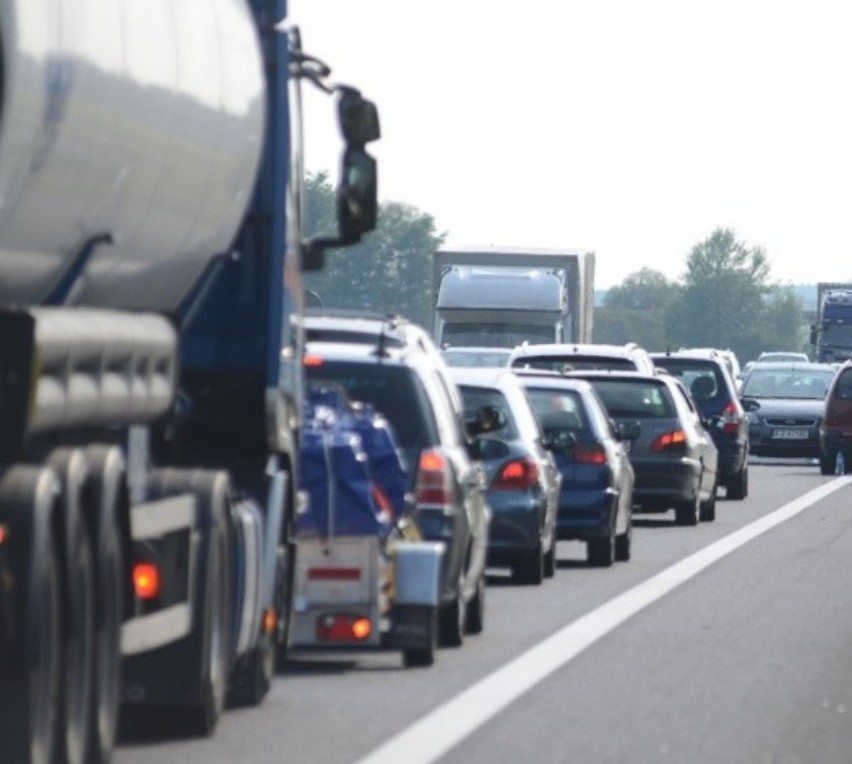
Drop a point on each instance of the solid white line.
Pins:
(437, 732)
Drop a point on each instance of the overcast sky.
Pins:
(632, 129)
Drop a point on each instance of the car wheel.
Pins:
(452, 617)
(687, 512)
(529, 569)
(623, 542)
(708, 508)
(601, 552)
(737, 485)
(550, 560)
(826, 463)
(475, 616)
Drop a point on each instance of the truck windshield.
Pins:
(497, 334)
(837, 334)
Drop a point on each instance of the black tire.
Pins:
(252, 678)
(688, 512)
(107, 499)
(475, 614)
(827, 463)
(737, 485)
(529, 568)
(707, 513)
(550, 559)
(30, 653)
(78, 610)
(451, 623)
(601, 552)
(624, 542)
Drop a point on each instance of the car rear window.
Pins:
(705, 381)
(575, 363)
(476, 397)
(395, 391)
(844, 385)
(557, 409)
(635, 398)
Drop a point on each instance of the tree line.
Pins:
(726, 299)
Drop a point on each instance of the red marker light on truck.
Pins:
(312, 360)
(146, 580)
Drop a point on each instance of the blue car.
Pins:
(596, 498)
(523, 481)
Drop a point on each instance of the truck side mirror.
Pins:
(357, 196)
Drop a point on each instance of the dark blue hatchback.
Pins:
(596, 498)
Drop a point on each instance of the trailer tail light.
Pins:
(669, 441)
(146, 580)
(343, 627)
(516, 475)
(434, 481)
(731, 419)
(312, 360)
(589, 453)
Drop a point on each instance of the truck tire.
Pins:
(108, 504)
(179, 688)
(31, 621)
(78, 608)
(252, 678)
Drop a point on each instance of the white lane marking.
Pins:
(437, 732)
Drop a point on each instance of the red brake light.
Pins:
(434, 483)
(516, 475)
(676, 439)
(146, 580)
(731, 420)
(589, 453)
(312, 360)
(343, 627)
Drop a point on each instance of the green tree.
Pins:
(727, 300)
(388, 271)
(636, 311)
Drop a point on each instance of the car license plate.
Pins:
(789, 434)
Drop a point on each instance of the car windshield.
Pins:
(497, 335)
(837, 334)
(771, 383)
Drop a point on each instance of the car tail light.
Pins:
(589, 453)
(434, 481)
(343, 627)
(731, 419)
(669, 441)
(516, 475)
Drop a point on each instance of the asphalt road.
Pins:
(729, 642)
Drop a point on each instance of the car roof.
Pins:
(563, 348)
(484, 376)
(791, 366)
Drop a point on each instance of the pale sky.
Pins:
(630, 128)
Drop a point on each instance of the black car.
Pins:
(785, 403)
(673, 456)
(596, 500)
(714, 391)
(411, 387)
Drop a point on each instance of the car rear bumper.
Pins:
(516, 520)
(585, 514)
(659, 486)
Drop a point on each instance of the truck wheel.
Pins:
(31, 616)
(204, 654)
(78, 608)
(251, 680)
(107, 491)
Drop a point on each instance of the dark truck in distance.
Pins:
(831, 334)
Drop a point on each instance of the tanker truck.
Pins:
(150, 366)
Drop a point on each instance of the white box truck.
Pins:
(502, 297)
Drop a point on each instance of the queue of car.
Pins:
(507, 453)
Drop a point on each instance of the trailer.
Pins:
(502, 297)
(150, 374)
